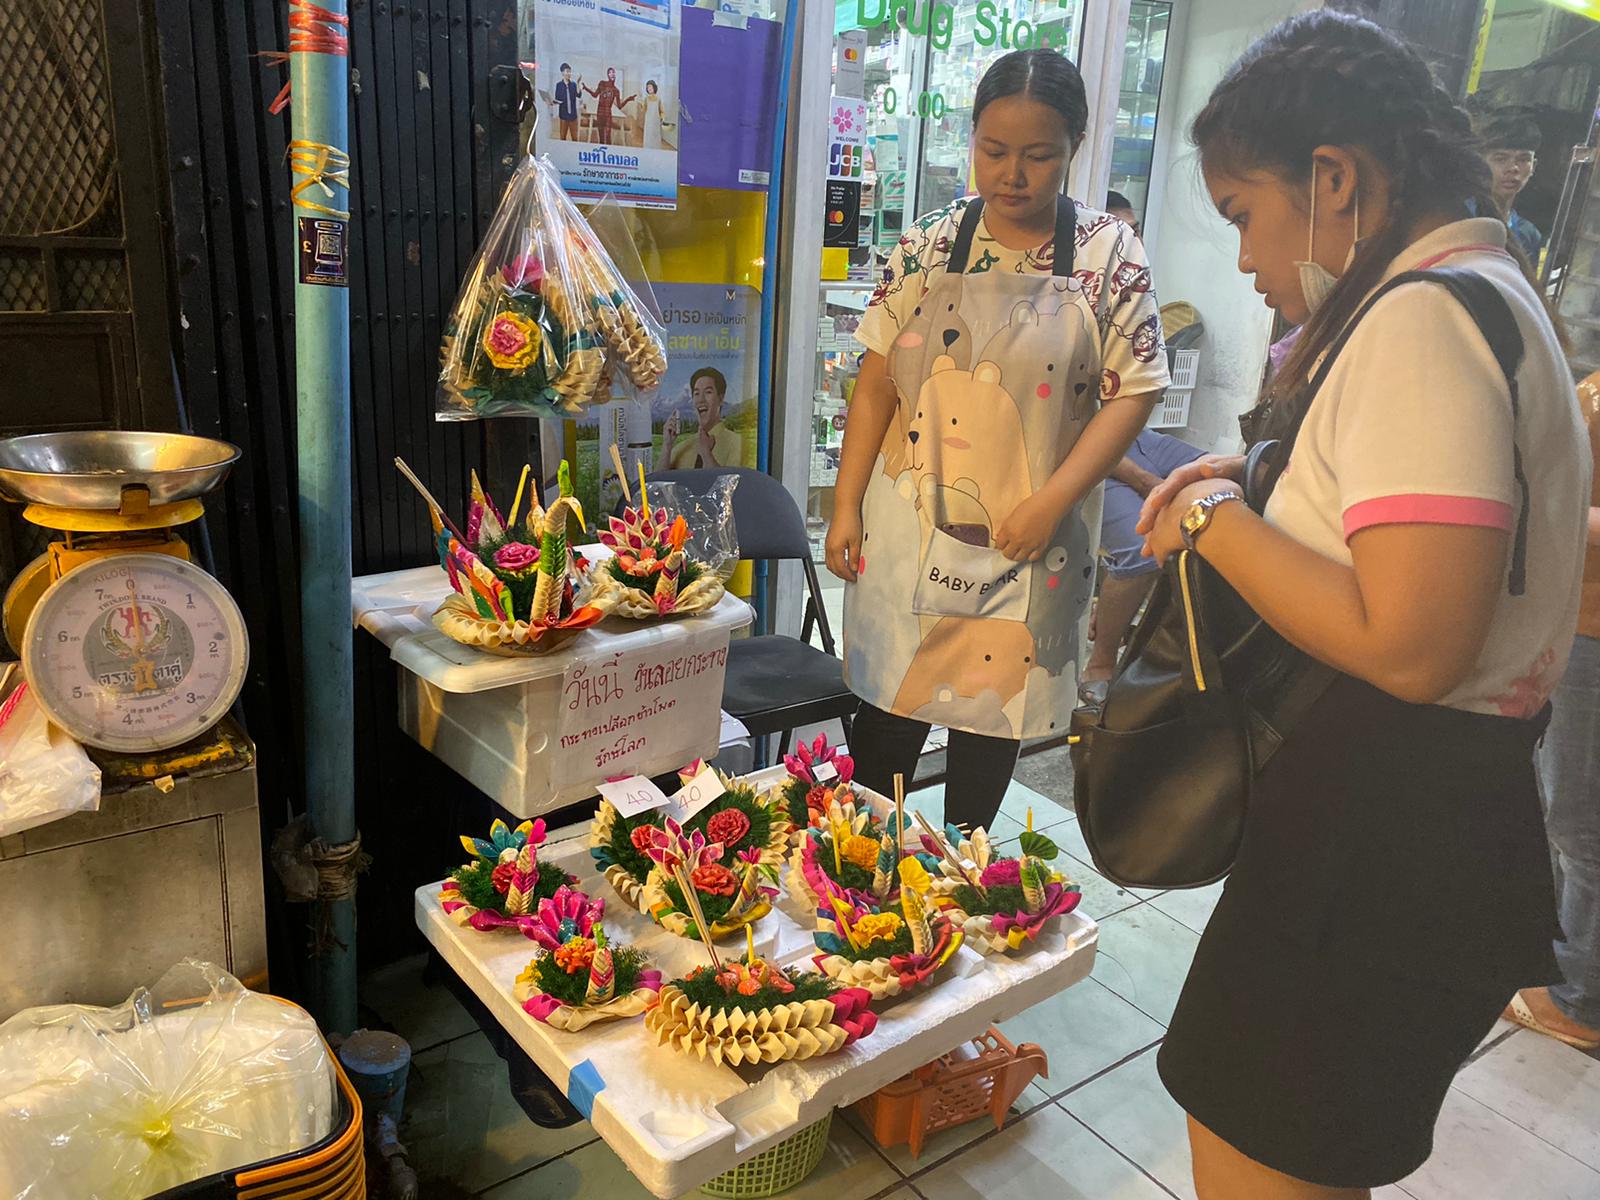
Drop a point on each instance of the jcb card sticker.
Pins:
(324, 251)
(633, 795)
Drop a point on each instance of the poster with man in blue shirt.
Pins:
(566, 105)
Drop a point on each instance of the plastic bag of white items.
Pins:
(540, 311)
(44, 774)
(197, 1076)
(713, 536)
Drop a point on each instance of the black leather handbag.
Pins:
(1207, 692)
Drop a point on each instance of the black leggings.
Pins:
(977, 776)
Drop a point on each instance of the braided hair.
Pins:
(1331, 78)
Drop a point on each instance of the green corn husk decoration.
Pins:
(1035, 874)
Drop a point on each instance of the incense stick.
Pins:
(437, 508)
(899, 810)
(693, 901)
(644, 499)
(516, 501)
(622, 475)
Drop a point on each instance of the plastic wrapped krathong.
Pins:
(1002, 904)
(753, 1012)
(586, 980)
(887, 951)
(741, 820)
(649, 574)
(502, 884)
(515, 587)
(848, 853)
(540, 311)
(807, 797)
(730, 894)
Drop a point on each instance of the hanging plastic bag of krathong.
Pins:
(541, 310)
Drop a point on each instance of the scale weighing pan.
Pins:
(91, 469)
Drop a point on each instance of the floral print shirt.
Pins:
(1109, 262)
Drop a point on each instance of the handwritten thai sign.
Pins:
(644, 711)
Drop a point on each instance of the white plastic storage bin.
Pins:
(539, 732)
(1185, 370)
(1172, 412)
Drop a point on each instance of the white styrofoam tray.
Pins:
(678, 1121)
(398, 607)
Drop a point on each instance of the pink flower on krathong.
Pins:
(516, 556)
(511, 341)
(562, 917)
(714, 879)
(525, 272)
(1005, 873)
(728, 826)
(801, 763)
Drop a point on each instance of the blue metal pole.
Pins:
(319, 76)
(766, 409)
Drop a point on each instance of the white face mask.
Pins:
(1316, 281)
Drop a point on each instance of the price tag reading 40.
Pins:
(633, 795)
(695, 795)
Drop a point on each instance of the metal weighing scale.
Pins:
(128, 645)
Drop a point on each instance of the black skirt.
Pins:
(1392, 891)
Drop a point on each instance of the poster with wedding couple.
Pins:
(607, 83)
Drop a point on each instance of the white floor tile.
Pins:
(1048, 1154)
(1130, 1108)
(1144, 957)
(463, 1124)
(1190, 906)
(1551, 1090)
(1480, 1155)
(946, 1141)
(1082, 1030)
(425, 1016)
(850, 1170)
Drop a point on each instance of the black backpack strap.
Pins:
(1493, 317)
(1066, 235)
(962, 250)
(1066, 247)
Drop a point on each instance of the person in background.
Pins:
(1129, 573)
(1013, 352)
(566, 105)
(1511, 148)
(713, 444)
(1569, 770)
(1425, 541)
(605, 97)
(1120, 207)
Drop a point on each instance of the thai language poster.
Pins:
(704, 413)
(607, 85)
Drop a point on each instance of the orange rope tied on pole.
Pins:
(312, 30)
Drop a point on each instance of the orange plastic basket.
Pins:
(981, 1079)
(334, 1168)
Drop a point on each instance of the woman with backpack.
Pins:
(1425, 537)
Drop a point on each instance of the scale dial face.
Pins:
(136, 652)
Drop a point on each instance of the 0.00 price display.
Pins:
(923, 104)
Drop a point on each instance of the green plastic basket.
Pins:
(776, 1170)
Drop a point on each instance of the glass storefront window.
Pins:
(1140, 95)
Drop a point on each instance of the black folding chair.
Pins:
(775, 684)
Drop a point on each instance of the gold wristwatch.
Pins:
(1198, 515)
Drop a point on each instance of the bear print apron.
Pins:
(997, 375)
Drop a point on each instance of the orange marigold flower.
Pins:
(863, 851)
(576, 955)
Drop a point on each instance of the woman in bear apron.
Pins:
(1013, 352)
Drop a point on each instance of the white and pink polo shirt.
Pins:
(1414, 426)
